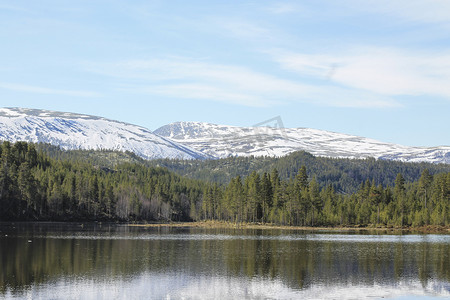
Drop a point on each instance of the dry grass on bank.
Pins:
(231, 225)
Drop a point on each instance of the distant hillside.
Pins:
(345, 175)
(34, 186)
(82, 132)
(194, 140)
(98, 158)
(223, 141)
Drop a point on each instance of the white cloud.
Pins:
(208, 92)
(14, 8)
(247, 31)
(430, 11)
(190, 79)
(282, 8)
(384, 71)
(43, 90)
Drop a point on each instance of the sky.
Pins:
(374, 68)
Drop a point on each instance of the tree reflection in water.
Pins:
(34, 255)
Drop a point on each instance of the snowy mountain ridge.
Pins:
(76, 131)
(196, 140)
(224, 141)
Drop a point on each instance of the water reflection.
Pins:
(182, 286)
(109, 261)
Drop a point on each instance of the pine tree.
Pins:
(424, 186)
(266, 196)
(314, 196)
(299, 201)
(399, 197)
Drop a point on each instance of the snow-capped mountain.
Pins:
(223, 141)
(195, 140)
(75, 131)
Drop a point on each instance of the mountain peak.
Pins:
(31, 112)
(193, 130)
(197, 140)
(223, 141)
(78, 131)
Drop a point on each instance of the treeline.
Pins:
(344, 175)
(301, 201)
(100, 158)
(34, 186)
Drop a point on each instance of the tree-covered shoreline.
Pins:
(34, 186)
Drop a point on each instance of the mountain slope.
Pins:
(74, 131)
(224, 141)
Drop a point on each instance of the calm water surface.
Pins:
(70, 261)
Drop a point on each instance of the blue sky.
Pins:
(379, 69)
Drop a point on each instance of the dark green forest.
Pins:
(344, 175)
(34, 186)
(300, 190)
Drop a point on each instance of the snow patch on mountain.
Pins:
(224, 141)
(196, 140)
(76, 131)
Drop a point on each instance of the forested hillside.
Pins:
(34, 186)
(99, 158)
(301, 201)
(344, 175)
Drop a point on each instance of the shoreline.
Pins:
(229, 225)
(212, 224)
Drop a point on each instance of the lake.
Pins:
(109, 261)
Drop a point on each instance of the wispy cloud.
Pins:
(195, 91)
(248, 31)
(282, 8)
(186, 78)
(12, 7)
(44, 90)
(386, 71)
(189, 79)
(431, 11)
